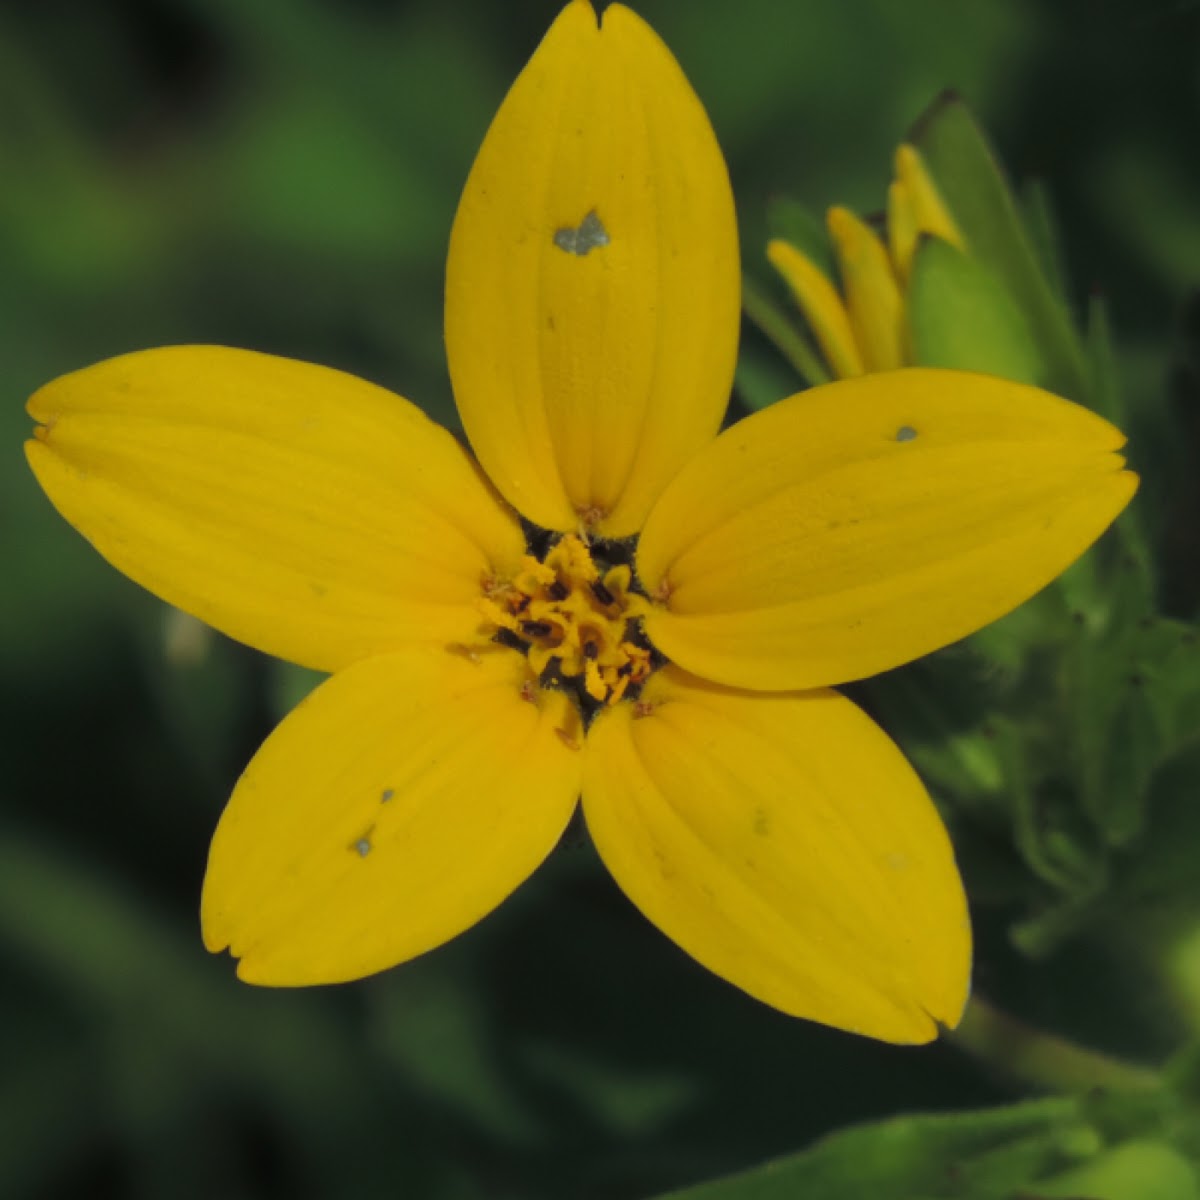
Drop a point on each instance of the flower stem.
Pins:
(1043, 1060)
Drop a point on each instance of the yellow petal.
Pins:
(784, 842)
(902, 229)
(861, 524)
(929, 209)
(872, 293)
(399, 804)
(303, 511)
(592, 289)
(821, 306)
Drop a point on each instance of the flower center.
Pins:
(574, 618)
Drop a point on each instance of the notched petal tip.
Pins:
(596, 8)
(45, 408)
(256, 973)
(592, 282)
(307, 513)
(214, 943)
(40, 407)
(395, 808)
(784, 842)
(861, 524)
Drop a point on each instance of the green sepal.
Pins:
(973, 187)
(960, 316)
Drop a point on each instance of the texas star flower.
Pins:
(663, 641)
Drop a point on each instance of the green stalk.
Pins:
(1043, 1060)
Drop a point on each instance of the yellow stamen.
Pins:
(565, 612)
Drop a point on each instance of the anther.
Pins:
(602, 593)
(571, 621)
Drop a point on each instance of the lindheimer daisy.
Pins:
(611, 600)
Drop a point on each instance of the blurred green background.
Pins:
(281, 175)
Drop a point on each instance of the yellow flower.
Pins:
(864, 328)
(662, 642)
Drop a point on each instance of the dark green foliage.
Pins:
(282, 174)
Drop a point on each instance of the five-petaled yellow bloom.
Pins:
(659, 636)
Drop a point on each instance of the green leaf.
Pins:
(983, 1155)
(960, 316)
(974, 189)
(1134, 744)
(1047, 830)
(1134, 692)
(1112, 585)
(1142, 1170)
(1164, 867)
(938, 709)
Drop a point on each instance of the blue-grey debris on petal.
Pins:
(588, 235)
